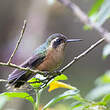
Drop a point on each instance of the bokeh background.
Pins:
(45, 18)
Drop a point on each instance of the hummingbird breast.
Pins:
(53, 59)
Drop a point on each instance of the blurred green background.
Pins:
(45, 19)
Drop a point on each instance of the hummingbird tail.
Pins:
(18, 78)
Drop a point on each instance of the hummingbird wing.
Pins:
(19, 77)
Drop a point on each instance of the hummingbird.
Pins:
(47, 57)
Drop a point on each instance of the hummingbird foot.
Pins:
(53, 73)
(57, 72)
(49, 76)
(46, 81)
(46, 73)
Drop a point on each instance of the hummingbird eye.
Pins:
(57, 42)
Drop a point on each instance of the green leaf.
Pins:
(35, 85)
(100, 12)
(104, 79)
(40, 77)
(93, 12)
(95, 7)
(22, 95)
(77, 106)
(106, 51)
(99, 92)
(106, 99)
(95, 107)
(61, 77)
(61, 97)
(79, 98)
(104, 13)
(3, 100)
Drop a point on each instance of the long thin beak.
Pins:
(73, 40)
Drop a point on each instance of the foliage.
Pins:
(61, 97)
(99, 13)
(97, 99)
(106, 51)
(22, 95)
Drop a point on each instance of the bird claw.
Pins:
(50, 76)
(57, 72)
(46, 81)
(46, 73)
(53, 73)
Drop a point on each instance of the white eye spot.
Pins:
(51, 44)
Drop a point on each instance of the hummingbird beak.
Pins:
(73, 40)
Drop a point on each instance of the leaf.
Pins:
(99, 92)
(104, 13)
(77, 106)
(61, 97)
(61, 77)
(104, 79)
(33, 84)
(57, 84)
(95, 107)
(99, 13)
(22, 95)
(93, 12)
(95, 7)
(106, 99)
(36, 81)
(106, 51)
(79, 98)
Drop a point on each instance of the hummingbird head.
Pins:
(58, 40)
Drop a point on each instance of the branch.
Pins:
(82, 54)
(18, 42)
(3, 80)
(22, 68)
(85, 20)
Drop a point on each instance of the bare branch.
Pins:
(21, 68)
(18, 42)
(83, 54)
(84, 18)
(3, 80)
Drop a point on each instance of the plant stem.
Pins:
(38, 93)
(18, 43)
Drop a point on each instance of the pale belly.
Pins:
(52, 61)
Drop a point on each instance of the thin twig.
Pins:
(3, 80)
(18, 42)
(21, 68)
(84, 18)
(82, 54)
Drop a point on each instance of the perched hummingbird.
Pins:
(47, 57)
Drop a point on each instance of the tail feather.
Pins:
(18, 78)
